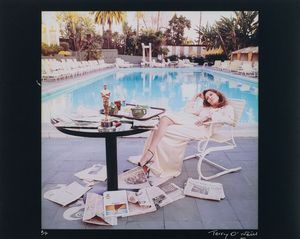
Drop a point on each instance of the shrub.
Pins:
(50, 50)
(212, 58)
(65, 46)
(173, 58)
(199, 60)
(64, 53)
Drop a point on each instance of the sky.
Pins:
(207, 17)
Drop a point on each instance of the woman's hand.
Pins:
(202, 121)
(200, 95)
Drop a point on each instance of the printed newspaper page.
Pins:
(136, 179)
(139, 203)
(66, 194)
(94, 212)
(133, 179)
(97, 172)
(203, 189)
(115, 203)
(172, 191)
(158, 196)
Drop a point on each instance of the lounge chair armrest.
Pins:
(217, 123)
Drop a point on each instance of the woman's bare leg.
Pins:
(164, 123)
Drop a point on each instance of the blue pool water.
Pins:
(167, 88)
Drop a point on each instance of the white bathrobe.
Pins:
(169, 153)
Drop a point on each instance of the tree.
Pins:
(247, 28)
(231, 33)
(175, 31)
(109, 17)
(139, 15)
(156, 39)
(75, 28)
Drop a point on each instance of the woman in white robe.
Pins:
(165, 147)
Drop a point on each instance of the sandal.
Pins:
(146, 166)
(148, 161)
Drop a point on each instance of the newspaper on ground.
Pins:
(136, 178)
(75, 211)
(115, 203)
(139, 203)
(203, 189)
(66, 194)
(134, 159)
(97, 172)
(94, 211)
(173, 192)
(158, 196)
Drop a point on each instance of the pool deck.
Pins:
(62, 157)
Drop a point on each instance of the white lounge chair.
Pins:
(224, 137)
(235, 65)
(53, 71)
(247, 68)
(171, 63)
(120, 63)
(225, 66)
(181, 63)
(158, 64)
(216, 64)
(187, 61)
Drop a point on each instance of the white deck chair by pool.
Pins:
(217, 64)
(225, 66)
(181, 63)
(187, 61)
(224, 137)
(120, 63)
(158, 64)
(247, 68)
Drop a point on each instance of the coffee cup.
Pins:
(138, 112)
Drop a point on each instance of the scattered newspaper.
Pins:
(137, 179)
(173, 192)
(115, 203)
(158, 196)
(203, 189)
(97, 172)
(75, 211)
(66, 194)
(139, 203)
(94, 211)
(134, 159)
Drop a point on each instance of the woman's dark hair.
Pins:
(222, 98)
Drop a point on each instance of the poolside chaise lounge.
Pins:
(120, 63)
(225, 66)
(181, 63)
(235, 66)
(216, 64)
(187, 61)
(159, 64)
(247, 69)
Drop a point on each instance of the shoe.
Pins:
(146, 166)
(148, 161)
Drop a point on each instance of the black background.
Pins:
(20, 111)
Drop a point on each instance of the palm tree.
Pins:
(247, 22)
(158, 16)
(109, 17)
(138, 16)
(226, 30)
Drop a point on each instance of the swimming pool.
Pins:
(168, 88)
